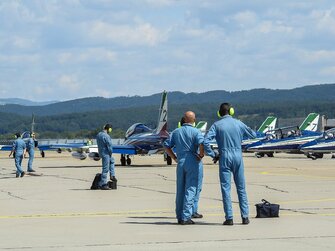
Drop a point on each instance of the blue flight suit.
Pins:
(186, 141)
(31, 150)
(112, 166)
(105, 149)
(229, 133)
(18, 146)
(199, 189)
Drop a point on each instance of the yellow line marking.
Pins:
(306, 201)
(93, 214)
(144, 213)
(298, 175)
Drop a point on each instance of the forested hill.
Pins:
(315, 93)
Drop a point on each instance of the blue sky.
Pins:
(67, 49)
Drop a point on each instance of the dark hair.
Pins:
(107, 126)
(18, 135)
(224, 109)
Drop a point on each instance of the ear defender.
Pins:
(231, 111)
(110, 130)
(179, 124)
(193, 124)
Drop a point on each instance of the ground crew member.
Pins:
(195, 213)
(30, 145)
(105, 149)
(19, 149)
(229, 133)
(188, 144)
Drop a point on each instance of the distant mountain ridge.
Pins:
(24, 102)
(312, 93)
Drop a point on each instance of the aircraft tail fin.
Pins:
(163, 112)
(311, 122)
(268, 124)
(202, 126)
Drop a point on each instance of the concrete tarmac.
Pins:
(58, 211)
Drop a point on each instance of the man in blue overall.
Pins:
(30, 145)
(19, 148)
(229, 133)
(188, 144)
(105, 149)
(195, 213)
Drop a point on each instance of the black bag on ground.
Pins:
(112, 184)
(95, 183)
(267, 210)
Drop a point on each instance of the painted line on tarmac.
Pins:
(93, 214)
(137, 213)
(298, 175)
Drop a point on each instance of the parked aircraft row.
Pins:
(140, 139)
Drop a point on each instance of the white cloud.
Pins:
(317, 56)
(245, 18)
(328, 71)
(325, 19)
(138, 34)
(69, 83)
(92, 55)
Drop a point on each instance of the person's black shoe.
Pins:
(197, 216)
(179, 221)
(228, 222)
(112, 178)
(22, 174)
(187, 222)
(105, 187)
(31, 171)
(245, 221)
(17, 175)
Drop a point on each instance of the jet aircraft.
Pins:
(268, 124)
(317, 148)
(287, 139)
(139, 139)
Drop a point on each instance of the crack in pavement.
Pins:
(270, 188)
(296, 211)
(66, 178)
(12, 195)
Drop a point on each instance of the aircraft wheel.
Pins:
(270, 155)
(42, 154)
(123, 160)
(168, 160)
(259, 155)
(128, 161)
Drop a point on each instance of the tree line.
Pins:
(88, 124)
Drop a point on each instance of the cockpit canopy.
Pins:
(136, 129)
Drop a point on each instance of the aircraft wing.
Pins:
(60, 146)
(6, 147)
(124, 149)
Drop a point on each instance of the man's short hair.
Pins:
(107, 126)
(224, 109)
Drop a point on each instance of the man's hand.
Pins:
(200, 156)
(216, 158)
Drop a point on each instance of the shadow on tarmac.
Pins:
(171, 223)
